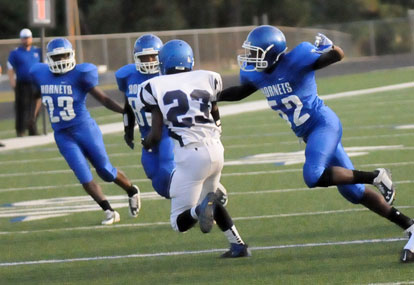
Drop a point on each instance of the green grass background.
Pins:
(367, 120)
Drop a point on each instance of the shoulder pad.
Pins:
(86, 67)
(303, 46)
(125, 71)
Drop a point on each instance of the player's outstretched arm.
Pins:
(154, 136)
(110, 104)
(329, 52)
(335, 55)
(236, 93)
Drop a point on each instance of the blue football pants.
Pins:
(159, 165)
(324, 149)
(81, 142)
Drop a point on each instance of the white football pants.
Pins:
(197, 172)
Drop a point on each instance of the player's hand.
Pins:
(323, 44)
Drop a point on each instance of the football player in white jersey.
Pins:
(185, 101)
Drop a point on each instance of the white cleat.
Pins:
(384, 184)
(134, 203)
(112, 217)
(407, 254)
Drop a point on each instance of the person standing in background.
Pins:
(20, 60)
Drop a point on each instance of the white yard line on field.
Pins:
(61, 159)
(228, 110)
(372, 137)
(166, 223)
(145, 180)
(197, 252)
(280, 158)
(393, 283)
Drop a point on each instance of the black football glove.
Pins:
(129, 137)
(129, 124)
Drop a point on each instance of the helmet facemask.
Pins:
(58, 62)
(147, 67)
(254, 58)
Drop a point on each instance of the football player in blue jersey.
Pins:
(64, 85)
(287, 79)
(158, 163)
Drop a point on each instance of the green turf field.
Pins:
(297, 235)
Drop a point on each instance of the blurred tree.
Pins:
(13, 18)
(110, 16)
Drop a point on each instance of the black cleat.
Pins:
(237, 250)
(206, 215)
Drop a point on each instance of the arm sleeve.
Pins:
(237, 93)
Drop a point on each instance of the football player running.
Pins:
(63, 85)
(158, 163)
(288, 82)
(186, 101)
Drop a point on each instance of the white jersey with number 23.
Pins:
(185, 102)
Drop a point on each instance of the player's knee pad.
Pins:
(312, 174)
(108, 174)
(352, 192)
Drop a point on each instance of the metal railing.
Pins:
(216, 49)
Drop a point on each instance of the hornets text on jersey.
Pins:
(64, 95)
(290, 88)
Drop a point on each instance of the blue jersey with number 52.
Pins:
(128, 79)
(64, 95)
(290, 88)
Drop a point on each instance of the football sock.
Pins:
(132, 191)
(105, 205)
(225, 223)
(194, 211)
(364, 177)
(222, 217)
(185, 221)
(233, 236)
(400, 219)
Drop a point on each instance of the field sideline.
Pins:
(297, 235)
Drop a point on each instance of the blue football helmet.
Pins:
(176, 55)
(147, 45)
(60, 56)
(263, 47)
